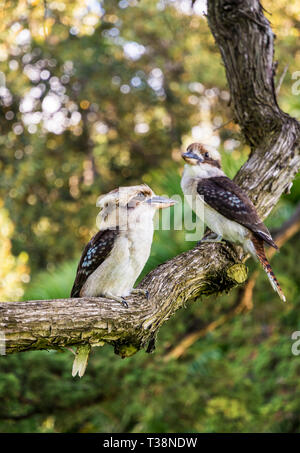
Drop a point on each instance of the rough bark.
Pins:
(245, 40)
(49, 324)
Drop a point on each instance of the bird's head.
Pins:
(125, 203)
(198, 154)
(133, 196)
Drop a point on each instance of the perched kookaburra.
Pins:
(224, 207)
(114, 258)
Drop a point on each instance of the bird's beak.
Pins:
(189, 157)
(161, 202)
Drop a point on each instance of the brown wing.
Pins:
(95, 252)
(226, 197)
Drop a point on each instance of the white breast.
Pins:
(118, 273)
(228, 229)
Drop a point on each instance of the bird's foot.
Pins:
(121, 300)
(145, 292)
(212, 237)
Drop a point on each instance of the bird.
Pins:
(224, 207)
(114, 258)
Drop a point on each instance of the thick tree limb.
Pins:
(245, 40)
(49, 324)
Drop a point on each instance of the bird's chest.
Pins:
(118, 273)
(197, 204)
(228, 229)
(139, 245)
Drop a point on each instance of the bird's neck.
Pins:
(128, 219)
(201, 171)
(141, 217)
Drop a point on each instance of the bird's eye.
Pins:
(206, 155)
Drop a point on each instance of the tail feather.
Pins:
(81, 360)
(260, 253)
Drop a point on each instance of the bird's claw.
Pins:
(124, 303)
(119, 299)
(145, 292)
(212, 238)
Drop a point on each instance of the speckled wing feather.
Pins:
(95, 252)
(227, 198)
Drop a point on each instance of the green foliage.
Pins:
(115, 113)
(52, 284)
(13, 270)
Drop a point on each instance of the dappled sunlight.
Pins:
(100, 94)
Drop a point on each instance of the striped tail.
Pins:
(260, 253)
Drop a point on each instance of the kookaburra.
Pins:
(224, 207)
(114, 258)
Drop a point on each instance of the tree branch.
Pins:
(245, 40)
(243, 302)
(50, 324)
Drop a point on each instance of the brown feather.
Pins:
(260, 253)
(226, 197)
(94, 253)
